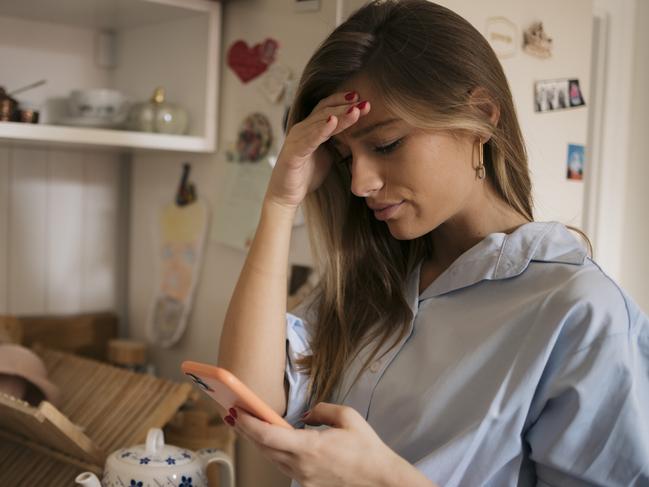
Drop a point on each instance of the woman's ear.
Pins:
(480, 99)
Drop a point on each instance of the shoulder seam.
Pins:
(619, 290)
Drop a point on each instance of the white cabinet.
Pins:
(64, 197)
(168, 43)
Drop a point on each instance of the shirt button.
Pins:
(375, 367)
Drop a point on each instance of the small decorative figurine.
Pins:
(536, 42)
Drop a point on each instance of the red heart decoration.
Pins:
(248, 63)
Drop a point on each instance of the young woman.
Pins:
(452, 340)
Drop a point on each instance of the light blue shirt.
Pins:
(524, 365)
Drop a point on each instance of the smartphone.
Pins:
(222, 386)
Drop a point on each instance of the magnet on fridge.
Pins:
(536, 42)
(249, 62)
(557, 94)
(502, 35)
(575, 162)
(275, 81)
(574, 93)
(253, 141)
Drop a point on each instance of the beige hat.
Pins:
(20, 361)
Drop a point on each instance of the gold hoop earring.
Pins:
(480, 171)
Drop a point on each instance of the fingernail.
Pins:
(350, 96)
(305, 415)
(351, 109)
(229, 419)
(233, 412)
(362, 105)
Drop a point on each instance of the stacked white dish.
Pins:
(98, 108)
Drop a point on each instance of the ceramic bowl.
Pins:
(98, 104)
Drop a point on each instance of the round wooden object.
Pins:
(126, 352)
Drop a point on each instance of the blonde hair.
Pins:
(435, 71)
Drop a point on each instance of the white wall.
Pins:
(634, 254)
(60, 214)
(618, 201)
(610, 141)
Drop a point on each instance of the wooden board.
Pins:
(25, 464)
(115, 407)
(182, 232)
(47, 426)
(86, 334)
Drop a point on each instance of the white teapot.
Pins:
(154, 464)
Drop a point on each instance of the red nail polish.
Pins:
(233, 412)
(350, 96)
(351, 109)
(305, 415)
(362, 105)
(229, 420)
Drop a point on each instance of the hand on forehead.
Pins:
(378, 116)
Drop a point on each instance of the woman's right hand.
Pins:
(303, 163)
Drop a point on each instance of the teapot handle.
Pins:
(87, 479)
(155, 441)
(227, 469)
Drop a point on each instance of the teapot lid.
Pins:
(154, 453)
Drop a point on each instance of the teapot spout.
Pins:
(87, 479)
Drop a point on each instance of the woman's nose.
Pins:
(366, 177)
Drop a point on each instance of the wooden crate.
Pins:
(102, 408)
(84, 334)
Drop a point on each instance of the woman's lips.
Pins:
(387, 212)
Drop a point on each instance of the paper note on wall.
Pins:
(238, 205)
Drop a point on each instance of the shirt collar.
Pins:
(501, 256)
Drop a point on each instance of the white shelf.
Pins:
(104, 14)
(53, 134)
(170, 43)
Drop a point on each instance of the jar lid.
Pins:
(154, 453)
(158, 95)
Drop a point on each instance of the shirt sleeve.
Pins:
(593, 427)
(297, 345)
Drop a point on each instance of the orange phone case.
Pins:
(222, 386)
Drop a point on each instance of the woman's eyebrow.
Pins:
(367, 130)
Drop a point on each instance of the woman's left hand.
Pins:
(348, 453)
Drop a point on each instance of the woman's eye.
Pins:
(386, 149)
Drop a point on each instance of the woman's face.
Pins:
(412, 179)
